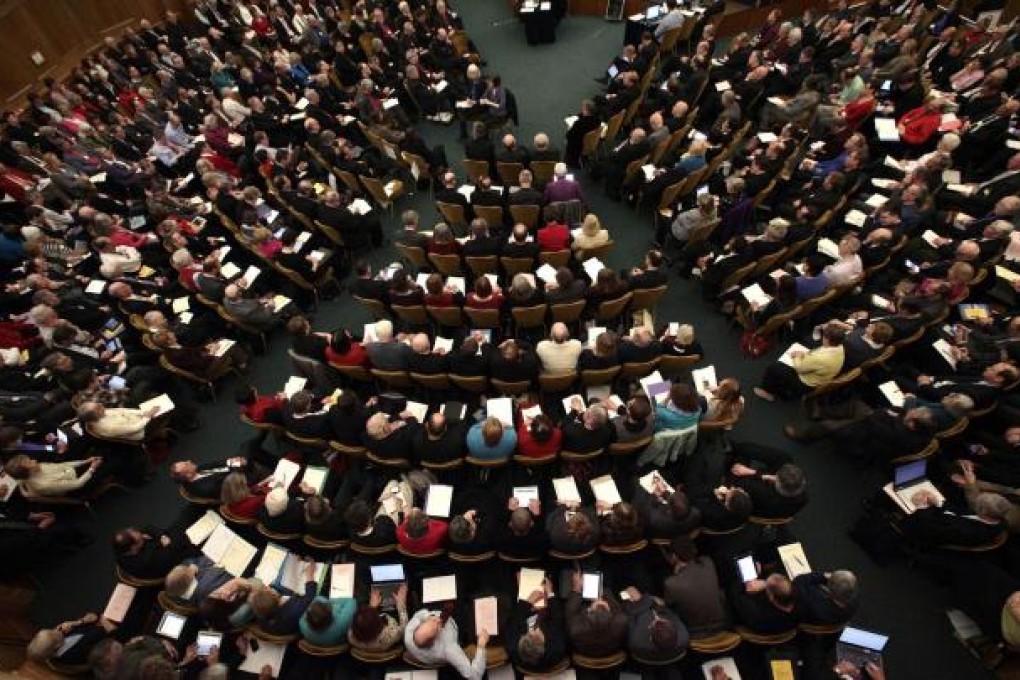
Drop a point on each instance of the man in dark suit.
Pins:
(365, 285)
(423, 359)
(468, 361)
(448, 194)
(409, 234)
(932, 525)
(519, 246)
(651, 276)
(391, 440)
(665, 514)
(826, 598)
(485, 195)
(983, 388)
(440, 440)
(587, 121)
(481, 243)
(769, 476)
(655, 633)
(535, 637)
(201, 481)
(693, 591)
(306, 418)
(147, 552)
(982, 198)
(526, 194)
(598, 629)
(765, 606)
(614, 167)
(511, 152)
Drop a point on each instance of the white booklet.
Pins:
(525, 494)
(273, 559)
(828, 248)
(162, 402)
(547, 273)
(294, 385)
(944, 349)
(120, 601)
(286, 472)
(705, 380)
(268, 654)
(501, 408)
(794, 560)
(530, 581)
(892, 392)
(206, 524)
(418, 410)
(315, 477)
(438, 500)
(592, 266)
(439, 589)
(566, 490)
(605, 490)
(485, 615)
(756, 295)
(648, 482)
(787, 357)
(886, 130)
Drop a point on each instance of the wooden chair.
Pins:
(535, 461)
(625, 449)
(472, 384)
(647, 298)
(322, 652)
(601, 252)
(773, 640)
(611, 310)
(554, 258)
(434, 382)
(613, 125)
(599, 663)
(321, 545)
(398, 380)
(541, 172)
(839, 382)
(525, 214)
(601, 376)
(483, 318)
(264, 635)
(723, 532)
(580, 456)
(492, 214)
(385, 195)
(412, 315)
(590, 144)
(347, 450)
(510, 389)
(137, 581)
(453, 215)
(414, 255)
(927, 452)
(655, 662)
(495, 655)
(570, 557)
(447, 466)
(512, 266)
(446, 317)
(307, 443)
(821, 629)
(469, 559)
(567, 312)
(557, 384)
(373, 550)
(769, 521)
(628, 549)
(196, 500)
(633, 370)
(992, 545)
(356, 374)
(389, 464)
(375, 307)
(737, 276)
(953, 430)
(509, 173)
(174, 605)
(720, 643)
(672, 366)
(481, 265)
(475, 169)
(447, 265)
(275, 536)
(527, 318)
(231, 517)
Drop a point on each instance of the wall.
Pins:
(63, 31)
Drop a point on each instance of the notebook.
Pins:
(530, 580)
(794, 560)
(525, 494)
(162, 402)
(120, 601)
(439, 589)
(268, 569)
(566, 490)
(438, 500)
(604, 489)
(286, 472)
(485, 616)
(908, 479)
(341, 581)
(705, 380)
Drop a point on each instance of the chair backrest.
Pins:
(492, 214)
(737, 276)
(529, 317)
(398, 379)
(452, 213)
(542, 172)
(600, 252)
(379, 190)
(612, 309)
(413, 254)
(356, 373)
(639, 369)
(628, 448)
(590, 143)
(447, 317)
(633, 168)
(508, 388)
(475, 169)
(525, 214)
(483, 318)
(600, 376)
(647, 298)
(509, 173)
(670, 365)
(437, 381)
(554, 258)
(613, 126)
(412, 314)
(557, 383)
(416, 161)
(447, 265)
(567, 312)
(516, 265)
(475, 384)
(480, 265)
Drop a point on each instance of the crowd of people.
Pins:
(197, 185)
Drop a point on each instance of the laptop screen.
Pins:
(905, 474)
(382, 573)
(864, 638)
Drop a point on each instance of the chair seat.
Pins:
(599, 663)
(275, 536)
(656, 662)
(720, 643)
(169, 604)
(560, 555)
(196, 500)
(411, 661)
(749, 635)
(234, 518)
(579, 456)
(137, 581)
(262, 634)
(629, 549)
(821, 628)
(464, 558)
(533, 461)
(374, 656)
(373, 550)
(320, 544)
(495, 655)
(434, 555)
(770, 521)
(315, 650)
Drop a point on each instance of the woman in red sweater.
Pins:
(439, 295)
(484, 296)
(919, 125)
(419, 534)
(239, 498)
(539, 438)
(553, 236)
(343, 350)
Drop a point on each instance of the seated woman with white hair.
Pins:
(71, 642)
(848, 268)
(592, 234)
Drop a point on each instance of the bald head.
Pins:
(420, 344)
(559, 332)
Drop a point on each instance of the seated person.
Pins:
(635, 421)
(692, 589)
(665, 513)
(375, 630)
(555, 235)
(53, 479)
(640, 346)
(619, 524)
(282, 514)
(724, 403)
(304, 417)
(775, 483)
(807, 370)
(473, 522)
(438, 294)
(71, 642)
(420, 534)
(423, 359)
(431, 639)
(592, 234)
(276, 614)
(598, 628)
(484, 295)
(322, 521)
(655, 632)
(326, 621)
(566, 288)
(538, 437)
(681, 344)
(933, 526)
(440, 440)
(148, 552)
(260, 408)
(535, 637)
(344, 350)
(514, 361)
(443, 241)
(586, 430)
(572, 531)
(526, 537)
(240, 498)
(826, 598)
(649, 275)
(490, 439)
(559, 353)
(367, 527)
(681, 410)
(389, 439)
(194, 580)
(766, 606)
(602, 355)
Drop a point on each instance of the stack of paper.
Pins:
(228, 550)
(273, 559)
(794, 560)
(530, 580)
(201, 530)
(341, 581)
(315, 477)
(592, 267)
(787, 357)
(593, 334)
(605, 490)
(438, 500)
(163, 403)
(485, 616)
(294, 385)
(892, 392)
(286, 472)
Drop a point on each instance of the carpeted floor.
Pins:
(550, 81)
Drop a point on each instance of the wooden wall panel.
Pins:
(63, 31)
